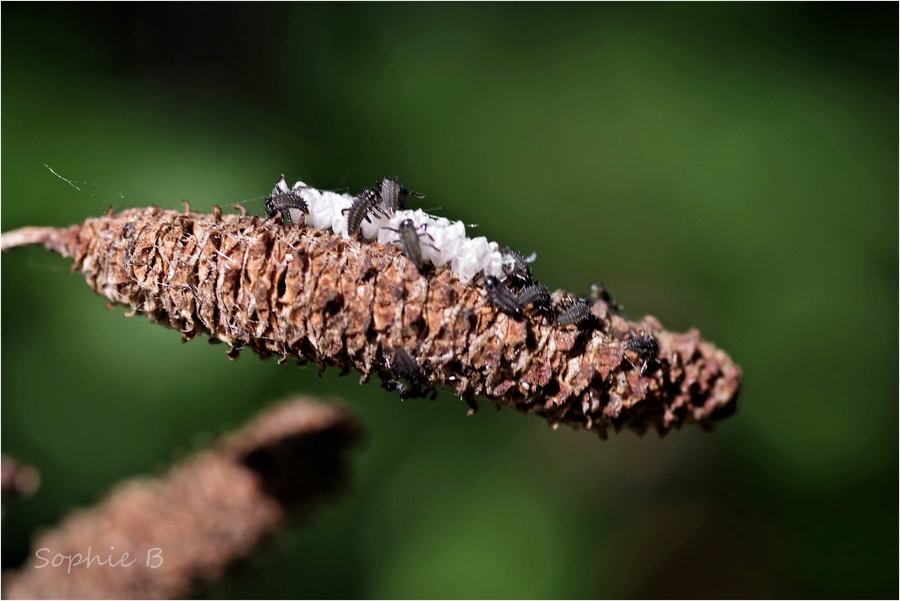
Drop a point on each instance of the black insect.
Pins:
(393, 196)
(536, 295)
(600, 293)
(647, 350)
(643, 344)
(282, 202)
(411, 241)
(516, 268)
(362, 205)
(574, 315)
(405, 367)
(502, 298)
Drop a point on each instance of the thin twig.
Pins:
(27, 236)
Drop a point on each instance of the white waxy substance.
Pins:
(443, 241)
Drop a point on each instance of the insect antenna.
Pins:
(73, 182)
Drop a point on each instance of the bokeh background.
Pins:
(727, 167)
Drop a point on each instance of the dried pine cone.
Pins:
(314, 295)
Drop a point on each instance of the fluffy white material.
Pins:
(443, 241)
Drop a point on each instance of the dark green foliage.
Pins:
(730, 167)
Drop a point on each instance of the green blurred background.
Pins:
(727, 167)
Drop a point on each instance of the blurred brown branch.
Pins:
(161, 538)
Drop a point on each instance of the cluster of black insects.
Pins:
(385, 198)
(516, 293)
(408, 381)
